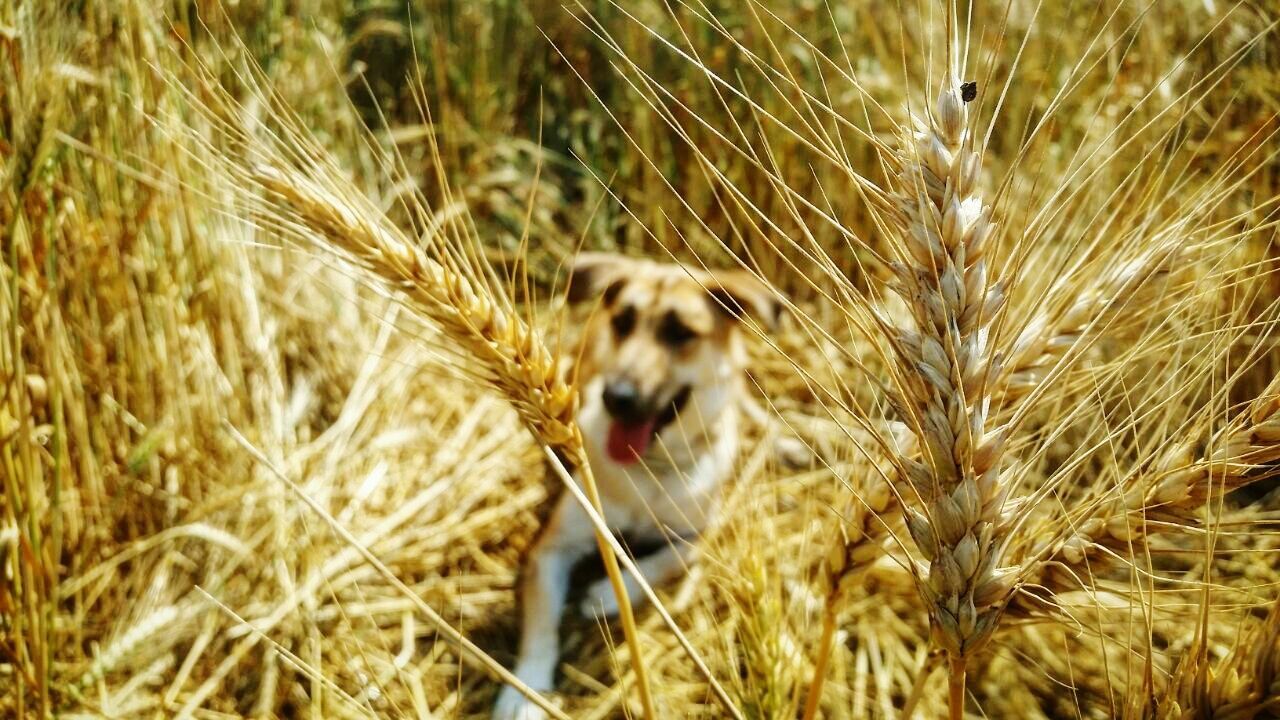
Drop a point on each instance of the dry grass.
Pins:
(279, 391)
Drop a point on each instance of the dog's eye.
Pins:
(611, 292)
(624, 322)
(673, 332)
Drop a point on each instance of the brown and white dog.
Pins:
(662, 373)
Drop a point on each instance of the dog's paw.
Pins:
(511, 705)
(599, 599)
(793, 452)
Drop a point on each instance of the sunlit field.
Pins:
(287, 370)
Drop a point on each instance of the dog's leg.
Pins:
(791, 450)
(664, 564)
(544, 582)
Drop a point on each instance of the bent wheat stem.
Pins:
(514, 358)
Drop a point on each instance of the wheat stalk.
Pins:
(943, 363)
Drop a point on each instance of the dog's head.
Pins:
(663, 338)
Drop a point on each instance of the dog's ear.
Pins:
(739, 293)
(593, 273)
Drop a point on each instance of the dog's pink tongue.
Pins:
(627, 441)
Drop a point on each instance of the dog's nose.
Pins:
(622, 400)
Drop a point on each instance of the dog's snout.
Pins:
(622, 400)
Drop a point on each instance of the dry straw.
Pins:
(427, 611)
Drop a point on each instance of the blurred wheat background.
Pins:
(280, 297)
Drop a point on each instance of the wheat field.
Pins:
(283, 352)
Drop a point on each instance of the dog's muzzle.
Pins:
(634, 420)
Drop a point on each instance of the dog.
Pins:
(662, 372)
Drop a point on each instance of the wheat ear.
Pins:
(1051, 337)
(857, 547)
(514, 358)
(943, 362)
(1245, 685)
(1169, 495)
(1044, 343)
(942, 366)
